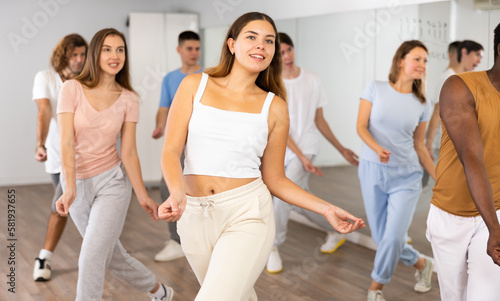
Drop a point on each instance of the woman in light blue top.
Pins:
(231, 122)
(391, 122)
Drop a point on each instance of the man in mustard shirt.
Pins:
(465, 206)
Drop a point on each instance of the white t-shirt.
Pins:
(436, 144)
(47, 84)
(305, 95)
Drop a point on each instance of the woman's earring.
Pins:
(232, 53)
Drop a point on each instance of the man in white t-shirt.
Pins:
(306, 98)
(464, 56)
(67, 60)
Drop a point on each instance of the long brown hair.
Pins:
(91, 73)
(418, 87)
(268, 79)
(63, 49)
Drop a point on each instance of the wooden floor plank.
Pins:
(308, 275)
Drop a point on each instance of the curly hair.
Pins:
(60, 54)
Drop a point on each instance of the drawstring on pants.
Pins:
(205, 205)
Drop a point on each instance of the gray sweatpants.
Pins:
(99, 212)
(57, 189)
(296, 172)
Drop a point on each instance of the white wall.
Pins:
(215, 13)
(348, 50)
(478, 26)
(153, 53)
(19, 64)
(50, 20)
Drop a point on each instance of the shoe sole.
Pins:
(41, 279)
(171, 290)
(168, 259)
(274, 272)
(423, 291)
(336, 247)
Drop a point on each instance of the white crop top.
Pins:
(225, 143)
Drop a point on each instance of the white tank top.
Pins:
(225, 143)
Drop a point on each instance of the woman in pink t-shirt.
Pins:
(93, 110)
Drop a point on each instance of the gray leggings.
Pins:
(99, 212)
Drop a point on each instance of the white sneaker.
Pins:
(375, 296)
(274, 263)
(333, 241)
(424, 278)
(171, 251)
(42, 270)
(169, 294)
(409, 240)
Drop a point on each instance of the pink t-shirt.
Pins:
(96, 132)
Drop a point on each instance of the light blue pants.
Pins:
(390, 195)
(295, 171)
(99, 212)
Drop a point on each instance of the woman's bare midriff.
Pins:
(197, 186)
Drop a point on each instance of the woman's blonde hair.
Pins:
(91, 73)
(269, 79)
(418, 87)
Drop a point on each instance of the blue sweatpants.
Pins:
(390, 194)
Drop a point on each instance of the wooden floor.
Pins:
(308, 275)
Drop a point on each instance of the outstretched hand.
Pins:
(343, 221)
(384, 155)
(151, 207)
(171, 210)
(158, 132)
(493, 247)
(350, 156)
(309, 167)
(64, 202)
(41, 154)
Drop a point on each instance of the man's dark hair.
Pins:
(453, 46)
(188, 35)
(469, 46)
(284, 38)
(496, 41)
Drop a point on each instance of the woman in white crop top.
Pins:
(231, 123)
